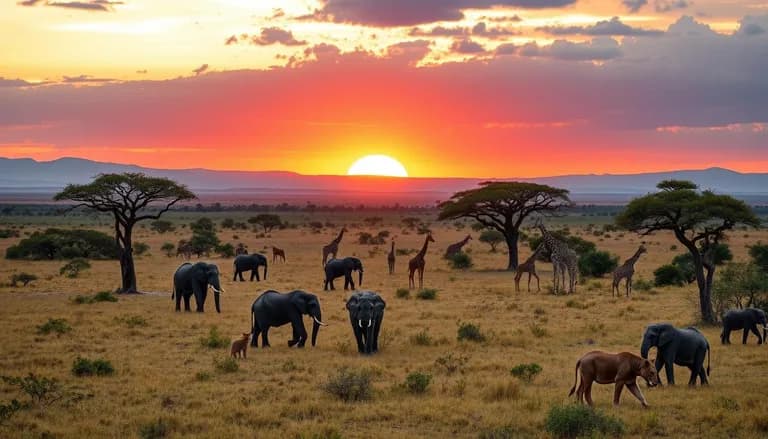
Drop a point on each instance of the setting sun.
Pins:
(378, 164)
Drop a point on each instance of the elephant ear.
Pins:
(353, 302)
(380, 303)
(666, 336)
(300, 302)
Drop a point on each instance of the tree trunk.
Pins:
(127, 268)
(511, 238)
(704, 282)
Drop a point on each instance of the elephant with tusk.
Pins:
(194, 279)
(272, 308)
(366, 312)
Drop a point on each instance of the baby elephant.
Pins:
(622, 369)
(239, 346)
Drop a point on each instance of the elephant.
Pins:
(343, 267)
(249, 262)
(366, 311)
(746, 319)
(272, 308)
(684, 347)
(194, 279)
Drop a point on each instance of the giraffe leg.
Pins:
(538, 285)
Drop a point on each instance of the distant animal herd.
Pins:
(675, 346)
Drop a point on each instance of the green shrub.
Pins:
(140, 248)
(526, 372)
(451, 364)
(641, 284)
(470, 331)
(132, 321)
(427, 294)
(98, 367)
(421, 338)
(161, 226)
(226, 365)
(225, 250)
(538, 331)
(503, 432)
(65, 244)
(8, 410)
(349, 385)
(169, 249)
(8, 233)
(491, 237)
(214, 340)
(403, 293)
(203, 376)
(417, 382)
(58, 326)
(460, 261)
(572, 421)
(73, 268)
(155, 429)
(24, 278)
(597, 263)
(41, 390)
(759, 255)
(669, 275)
(101, 296)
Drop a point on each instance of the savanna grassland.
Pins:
(166, 381)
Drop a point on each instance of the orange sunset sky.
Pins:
(475, 88)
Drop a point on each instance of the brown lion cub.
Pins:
(622, 369)
(239, 346)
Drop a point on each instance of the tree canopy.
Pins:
(698, 219)
(130, 198)
(503, 206)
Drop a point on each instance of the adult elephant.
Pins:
(336, 268)
(366, 311)
(684, 347)
(194, 279)
(746, 319)
(275, 309)
(250, 263)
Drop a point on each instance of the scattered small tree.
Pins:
(227, 223)
(411, 222)
(169, 249)
(140, 248)
(204, 238)
(492, 238)
(698, 220)
(597, 263)
(740, 285)
(268, 221)
(162, 226)
(127, 197)
(759, 255)
(504, 206)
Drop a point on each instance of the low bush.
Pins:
(503, 432)
(526, 372)
(421, 338)
(427, 294)
(572, 421)
(73, 268)
(24, 278)
(140, 248)
(403, 293)
(57, 326)
(469, 331)
(642, 285)
(417, 382)
(8, 410)
(226, 365)
(169, 249)
(132, 321)
(42, 391)
(98, 367)
(538, 331)
(597, 263)
(460, 261)
(451, 364)
(101, 296)
(156, 429)
(350, 385)
(214, 340)
(669, 275)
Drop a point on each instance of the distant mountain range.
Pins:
(30, 180)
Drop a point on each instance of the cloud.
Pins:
(83, 79)
(467, 47)
(200, 70)
(409, 51)
(634, 5)
(751, 26)
(506, 49)
(409, 12)
(478, 30)
(669, 5)
(7, 82)
(267, 37)
(599, 49)
(89, 5)
(611, 27)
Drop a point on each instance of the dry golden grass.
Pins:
(163, 372)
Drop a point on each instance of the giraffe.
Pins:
(417, 263)
(571, 265)
(529, 266)
(391, 258)
(625, 271)
(333, 247)
(563, 259)
(277, 253)
(456, 248)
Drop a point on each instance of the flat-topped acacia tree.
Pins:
(130, 198)
(698, 219)
(503, 206)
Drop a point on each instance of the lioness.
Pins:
(605, 368)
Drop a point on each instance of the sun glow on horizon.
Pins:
(378, 164)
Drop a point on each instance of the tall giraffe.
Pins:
(456, 248)
(529, 266)
(417, 263)
(626, 271)
(333, 247)
(391, 258)
(562, 258)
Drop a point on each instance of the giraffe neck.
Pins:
(465, 241)
(423, 249)
(393, 247)
(547, 237)
(338, 238)
(631, 261)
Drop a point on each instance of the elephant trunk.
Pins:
(360, 278)
(315, 328)
(765, 333)
(216, 295)
(265, 270)
(645, 348)
(369, 337)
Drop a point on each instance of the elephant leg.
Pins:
(325, 284)
(703, 374)
(186, 302)
(255, 335)
(256, 272)
(694, 375)
(376, 330)
(234, 277)
(358, 337)
(638, 394)
(669, 365)
(240, 274)
(757, 333)
(722, 336)
(744, 337)
(178, 301)
(331, 282)
(659, 365)
(300, 331)
(265, 337)
(617, 392)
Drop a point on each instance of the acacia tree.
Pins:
(503, 206)
(698, 220)
(128, 198)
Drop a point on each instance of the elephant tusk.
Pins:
(360, 323)
(217, 291)
(369, 323)
(318, 321)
